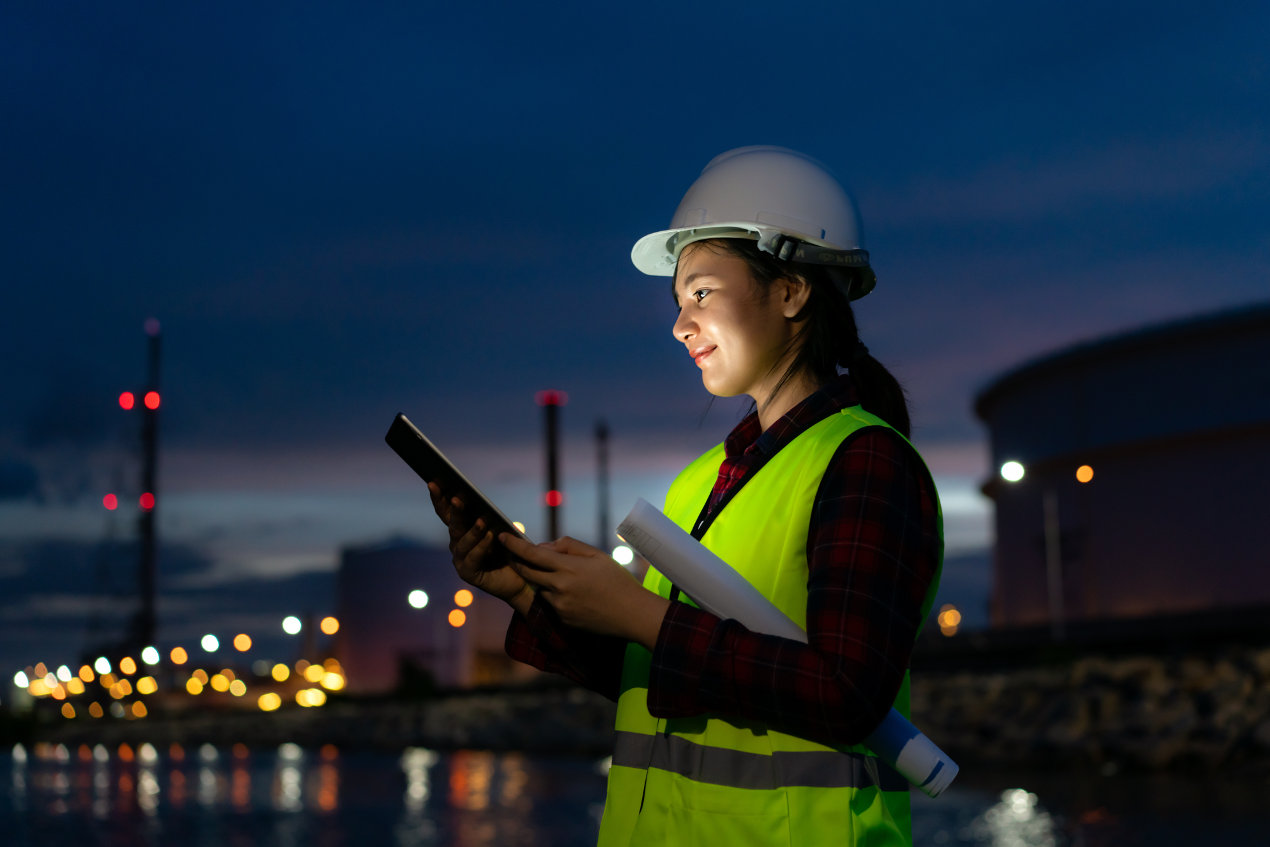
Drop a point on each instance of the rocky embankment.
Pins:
(1206, 709)
(547, 719)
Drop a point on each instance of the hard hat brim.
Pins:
(657, 253)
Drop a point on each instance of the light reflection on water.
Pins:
(421, 798)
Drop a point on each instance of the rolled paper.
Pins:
(717, 587)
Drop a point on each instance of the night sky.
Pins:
(339, 212)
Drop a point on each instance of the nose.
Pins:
(685, 327)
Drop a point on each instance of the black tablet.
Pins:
(432, 466)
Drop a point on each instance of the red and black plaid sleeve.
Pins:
(873, 548)
(540, 639)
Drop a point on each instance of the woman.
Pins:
(817, 498)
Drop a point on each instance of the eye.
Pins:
(700, 294)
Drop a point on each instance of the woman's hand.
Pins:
(477, 559)
(588, 589)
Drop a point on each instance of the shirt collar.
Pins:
(836, 394)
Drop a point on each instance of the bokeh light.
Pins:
(329, 625)
(949, 619)
(1084, 473)
(242, 642)
(457, 618)
(210, 643)
(463, 598)
(1012, 471)
(417, 598)
(179, 656)
(291, 625)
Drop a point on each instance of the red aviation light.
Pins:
(152, 400)
(551, 398)
(110, 501)
(553, 498)
(127, 400)
(147, 501)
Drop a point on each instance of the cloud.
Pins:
(1018, 188)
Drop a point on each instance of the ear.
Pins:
(794, 291)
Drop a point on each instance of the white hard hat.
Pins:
(786, 201)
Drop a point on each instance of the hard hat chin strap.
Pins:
(790, 249)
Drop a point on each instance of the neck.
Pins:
(793, 392)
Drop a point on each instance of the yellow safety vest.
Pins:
(711, 780)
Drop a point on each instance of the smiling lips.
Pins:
(699, 353)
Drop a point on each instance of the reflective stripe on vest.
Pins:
(739, 769)
(693, 780)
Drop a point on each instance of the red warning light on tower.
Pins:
(127, 400)
(110, 501)
(146, 501)
(551, 398)
(553, 498)
(152, 400)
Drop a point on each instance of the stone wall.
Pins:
(1209, 708)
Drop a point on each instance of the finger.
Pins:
(439, 504)
(574, 547)
(538, 556)
(539, 578)
(468, 541)
(482, 549)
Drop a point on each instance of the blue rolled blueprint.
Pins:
(716, 587)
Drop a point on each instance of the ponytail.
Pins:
(828, 338)
(879, 391)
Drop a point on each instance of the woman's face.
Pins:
(737, 336)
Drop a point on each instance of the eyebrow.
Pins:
(688, 280)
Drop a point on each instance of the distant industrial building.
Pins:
(1145, 475)
(405, 616)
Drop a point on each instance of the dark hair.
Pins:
(828, 338)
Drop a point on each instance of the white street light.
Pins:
(1012, 471)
